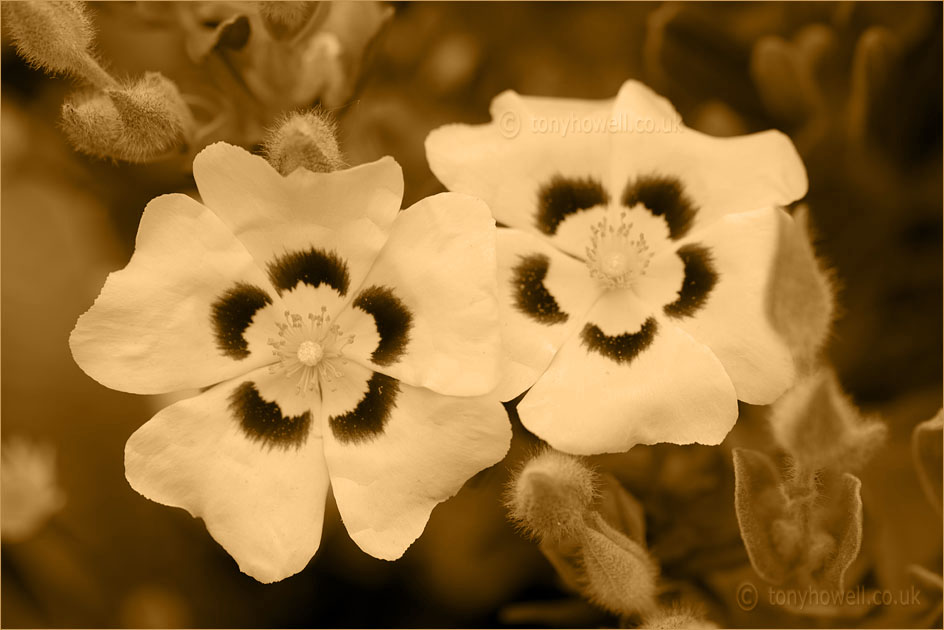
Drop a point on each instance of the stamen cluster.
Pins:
(307, 350)
(614, 256)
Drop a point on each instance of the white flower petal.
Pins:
(427, 312)
(403, 452)
(656, 384)
(509, 161)
(179, 315)
(734, 320)
(543, 295)
(344, 213)
(719, 175)
(261, 490)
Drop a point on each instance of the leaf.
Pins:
(820, 426)
(926, 445)
(841, 521)
(621, 509)
(760, 504)
(800, 304)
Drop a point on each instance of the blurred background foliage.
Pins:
(858, 88)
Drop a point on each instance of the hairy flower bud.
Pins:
(55, 36)
(551, 495)
(820, 427)
(676, 618)
(138, 123)
(154, 113)
(620, 576)
(304, 140)
(91, 123)
(284, 19)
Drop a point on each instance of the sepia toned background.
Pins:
(869, 134)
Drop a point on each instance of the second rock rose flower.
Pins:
(342, 342)
(636, 276)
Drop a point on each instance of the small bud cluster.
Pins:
(136, 123)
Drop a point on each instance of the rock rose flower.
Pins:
(342, 343)
(635, 278)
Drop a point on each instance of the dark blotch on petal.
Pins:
(314, 267)
(564, 196)
(263, 421)
(700, 279)
(231, 315)
(664, 197)
(620, 348)
(531, 296)
(393, 321)
(368, 418)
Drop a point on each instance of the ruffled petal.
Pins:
(180, 314)
(397, 454)
(544, 296)
(256, 477)
(292, 224)
(427, 313)
(628, 377)
(533, 164)
(724, 301)
(692, 178)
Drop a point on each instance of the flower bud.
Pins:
(153, 113)
(620, 576)
(676, 618)
(55, 36)
(284, 19)
(551, 496)
(139, 123)
(91, 124)
(874, 55)
(821, 428)
(783, 81)
(305, 140)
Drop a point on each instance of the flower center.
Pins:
(616, 257)
(309, 351)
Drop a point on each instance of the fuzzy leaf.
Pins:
(820, 426)
(838, 524)
(926, 444)
(800, 302)
(761, 507)
(621, 509)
